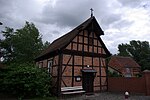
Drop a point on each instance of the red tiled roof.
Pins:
(119, 62)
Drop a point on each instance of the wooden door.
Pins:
(87, 82)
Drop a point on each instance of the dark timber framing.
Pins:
(83, 50)
(100, 73)
(72, 71)
(82, 43)
(59, 73)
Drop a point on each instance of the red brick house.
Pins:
(125, 66)
(77, 59)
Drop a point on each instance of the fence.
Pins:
(132, 85)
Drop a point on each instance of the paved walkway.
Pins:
(107, 96)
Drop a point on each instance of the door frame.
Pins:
(88, 76)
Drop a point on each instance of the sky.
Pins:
(121, 20)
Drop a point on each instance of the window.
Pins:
(50, 63)
(40, 64)
(128, 72)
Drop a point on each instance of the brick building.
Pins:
(77, 59)
(125, 66)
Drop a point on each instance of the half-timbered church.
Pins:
(77, 60)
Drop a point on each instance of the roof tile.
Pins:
(119, 62)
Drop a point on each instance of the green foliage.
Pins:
(17, 48)
(25, 80)
(27, 43)
(6, 45)
(45, 98)
(21, 45)
(113, 74)
(138, 75)
(46, 44)
(123, 51)
(138, 50)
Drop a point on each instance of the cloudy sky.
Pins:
(121, 20)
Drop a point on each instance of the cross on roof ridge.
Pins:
(91, 12)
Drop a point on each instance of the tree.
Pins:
(22, 45)
(46, 44)
(21, 77)
(27, 43)
(25, 80)
(138, 50)
(6, 44)
(123, 51)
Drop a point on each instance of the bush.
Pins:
(25, 80)
(138, 75)
(113, 74)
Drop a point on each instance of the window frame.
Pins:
(49, 65)
(128, 72)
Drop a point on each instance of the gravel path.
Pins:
(107, 96)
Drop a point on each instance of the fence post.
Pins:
(126, 95)
(146, 74)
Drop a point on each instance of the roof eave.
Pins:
(47, 55)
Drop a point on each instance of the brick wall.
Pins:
(67, 73)
(146, 75)
(132, 85)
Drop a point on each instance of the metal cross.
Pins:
(91, 12)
